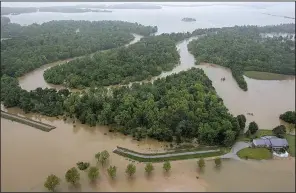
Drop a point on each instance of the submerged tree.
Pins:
(97, 156)
(112, 171)
(149, 168)
(82, 165)
(104, 157)
(130, 169)
(52, 181)
(72, 176)
(201, 163)
(218, 162)
(167, 166)
(93, 173)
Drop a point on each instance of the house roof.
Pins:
(261, 142)
(277, 142)
(270, 142)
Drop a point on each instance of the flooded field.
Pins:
(32, 155)
(37, 154)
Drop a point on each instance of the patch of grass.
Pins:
(291, 141)
(258, 134)
(264, 132)
(254, 153)
(266, 75)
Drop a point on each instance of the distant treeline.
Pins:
(36, 45)
(74, 9)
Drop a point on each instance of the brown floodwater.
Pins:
(29, 155)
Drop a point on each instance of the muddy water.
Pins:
(29, 155)
(34, 79)
(258, 176)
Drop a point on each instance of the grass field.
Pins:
(266, 75)
(254, 153)
(259, 133)
(291, 141)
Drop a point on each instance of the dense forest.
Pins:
(144, 59)
(280, 28)
(44, 101)
(243, 49)
(289, 117)
(57, 40)
(180, 106)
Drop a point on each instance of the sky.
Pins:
(44, 4)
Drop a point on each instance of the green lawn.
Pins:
(266, 75)
(254, 153)
(291, 141)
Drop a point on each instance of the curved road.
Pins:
(236, 148)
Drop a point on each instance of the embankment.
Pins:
(169, 156)
(26, 121)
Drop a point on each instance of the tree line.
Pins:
(142, 60)
(243, 49)
(73, 175)
(35, 45)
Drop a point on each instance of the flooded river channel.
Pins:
(266, 99)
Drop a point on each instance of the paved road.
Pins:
(235, 148)
(165, 155)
